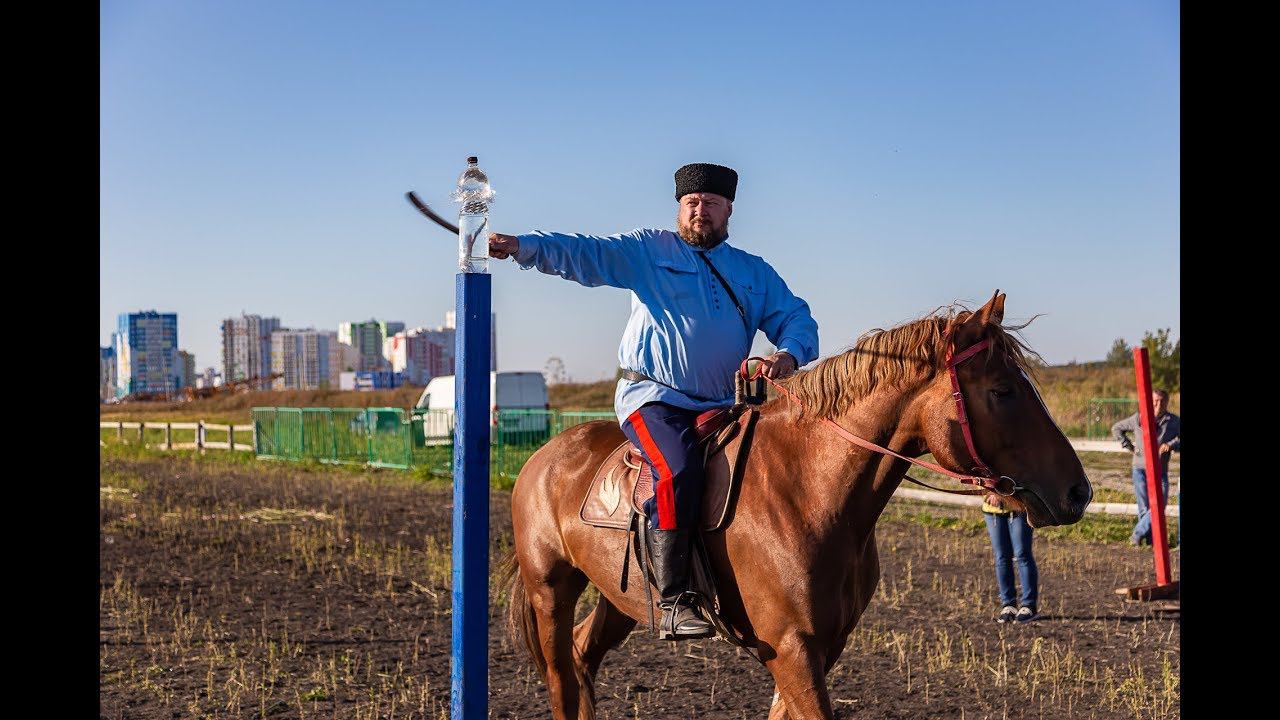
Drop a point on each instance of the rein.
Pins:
(986, 479)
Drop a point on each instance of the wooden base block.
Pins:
(1146, 593)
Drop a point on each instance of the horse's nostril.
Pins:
(1080, 493)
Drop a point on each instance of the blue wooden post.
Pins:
(470, 662)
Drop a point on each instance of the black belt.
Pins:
(634, 376)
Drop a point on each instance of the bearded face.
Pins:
(703, 219)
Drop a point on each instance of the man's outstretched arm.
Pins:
(615, 260)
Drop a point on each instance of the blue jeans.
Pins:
(1142, 529)
(1011, 543)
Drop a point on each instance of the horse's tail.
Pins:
(522, 624)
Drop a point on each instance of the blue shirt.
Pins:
(684, 329)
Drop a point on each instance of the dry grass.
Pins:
(1067, 389)
(1062, 666)
(582, 396)
(233, 589)
(238, 408)
(243, 604)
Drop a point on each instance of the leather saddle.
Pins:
(624, 480)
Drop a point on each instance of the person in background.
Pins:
(1169, 438)
(1011, 545)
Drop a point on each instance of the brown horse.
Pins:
(798, 564)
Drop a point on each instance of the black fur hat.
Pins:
(705, 177)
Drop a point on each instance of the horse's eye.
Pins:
(1002, 392)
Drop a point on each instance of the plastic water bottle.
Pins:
(474, 193)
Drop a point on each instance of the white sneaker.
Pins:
(1027, 614)
(1007, 614)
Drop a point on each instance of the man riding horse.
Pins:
(696, 304)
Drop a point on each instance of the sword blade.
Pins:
(422, 208)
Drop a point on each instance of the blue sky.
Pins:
(893, 157)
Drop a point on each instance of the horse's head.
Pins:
(1010, 427)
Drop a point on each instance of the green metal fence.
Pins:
(1102, 413)
(569, 418)
(365, 436)
(396, 438)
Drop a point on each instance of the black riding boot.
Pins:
(680, 619)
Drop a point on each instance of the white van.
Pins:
(507, 391)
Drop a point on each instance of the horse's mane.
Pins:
(911, 352)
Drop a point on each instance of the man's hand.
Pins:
(503, 246)
(779, 365)
(1164, 448)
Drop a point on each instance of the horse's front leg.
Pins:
(798, 668)
(778, 708)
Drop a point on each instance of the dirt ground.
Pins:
(234, 589)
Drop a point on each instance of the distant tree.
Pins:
(1165, 358)
(1121, 354)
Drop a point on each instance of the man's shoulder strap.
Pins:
(741, 312)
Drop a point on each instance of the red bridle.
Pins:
(986, 479)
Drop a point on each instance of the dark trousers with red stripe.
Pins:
(665, 435)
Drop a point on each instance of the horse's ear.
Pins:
(992, 311)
